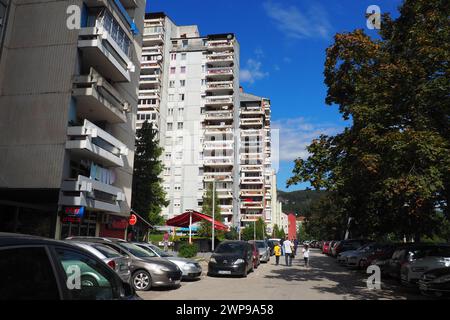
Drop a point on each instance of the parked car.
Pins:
(403, 254)
(358, 258)
(382, 253)
(147, 271)
(435, 282)
(346, 245)
(263, 250)
(190, 268)
(36, 268)
(232, 258)
(326, 247)
(435, 258)
(120, 264)
(256, 260)
(342, 257)
(330, 247)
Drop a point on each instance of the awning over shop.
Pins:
(189, 217)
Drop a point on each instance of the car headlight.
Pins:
(189, 266)
(442, 279)
(212, 260)
(238, 261)
(164, 269)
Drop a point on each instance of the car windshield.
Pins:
(106, 251)
(136, 251)
(159, 252)
(230, 248)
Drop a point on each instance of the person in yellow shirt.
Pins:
(277, 251)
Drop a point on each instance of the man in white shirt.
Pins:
(287, 246)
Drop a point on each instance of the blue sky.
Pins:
(283, 46)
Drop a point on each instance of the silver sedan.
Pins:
(190, 268)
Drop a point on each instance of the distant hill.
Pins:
(299, 201)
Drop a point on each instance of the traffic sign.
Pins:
(133, 219)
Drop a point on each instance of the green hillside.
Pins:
(299, 201)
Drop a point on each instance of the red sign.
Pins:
(133, 219)
(119, 224)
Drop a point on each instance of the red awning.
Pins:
(182, 220)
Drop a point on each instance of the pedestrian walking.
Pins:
(287, 248)
(166, 241)
(306, 255)
(277, 251)
(295, 246)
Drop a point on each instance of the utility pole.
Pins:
(213, 213)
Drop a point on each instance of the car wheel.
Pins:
(244, 275)
(142, 281)
(88, 281)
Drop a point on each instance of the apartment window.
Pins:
(183, 56)
(170, 111)
(169, 126)
(182, 83)
(180, 111)
(184, 43)
(173, 56)
(172, 70)
(203, 82)
(171, 97)
(203, 68)
(183, 69)
(148, 116)
(168, 156)
(171, 84)
(177, 187)
(182, 97)
(167, 171)
(202, 110)
(200, 156)
(180, 126)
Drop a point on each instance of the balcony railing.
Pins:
(217, 145)
(254, 193)
(219, 115)
(251, 132)
(90, 142)
(92, 194)
(219, 85)
(222, 100)
(219, 71)
(219, 44)
(98, 100)
(252, 180)
(218, 160)
(153, 38)
(251, 217)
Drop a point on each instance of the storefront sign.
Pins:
(72, 214)
(118, 224)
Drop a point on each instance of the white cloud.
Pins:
(299, 24)
(252, 71)
(296, 134)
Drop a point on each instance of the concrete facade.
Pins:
(68, 103)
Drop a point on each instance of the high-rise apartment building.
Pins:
(68, 103)
(209, 129)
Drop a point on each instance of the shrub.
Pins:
(187, 250)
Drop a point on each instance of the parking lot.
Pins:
(324, 279)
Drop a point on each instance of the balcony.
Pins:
(218, 161)
(255, 111)
(97, 100)
(217, 176)
(218, 115)
(251, 217)
(149, 94)
(251, 168)
(251, 122)
(222, 59)
(252, 193)
(221, 127)
(219, 100)
(218, 145)
(92, 194)
(150, 65)
(251, 132)
(152, 39)
(219, 45)
(219, 86)
(220, 73)
(149, 81)
(217, 131)
(252, 180)
(90, 142)
(252, 205)
(101, 50)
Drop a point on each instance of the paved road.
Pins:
(324, 279)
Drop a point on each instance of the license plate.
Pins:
(224, 272)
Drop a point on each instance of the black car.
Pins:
(347, 245)
(231, 258)
(405, 253)
(35, 268)
(435, 282)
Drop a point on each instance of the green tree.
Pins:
(389, 169)
(248, 233)
(205, 229)
(148, 196)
